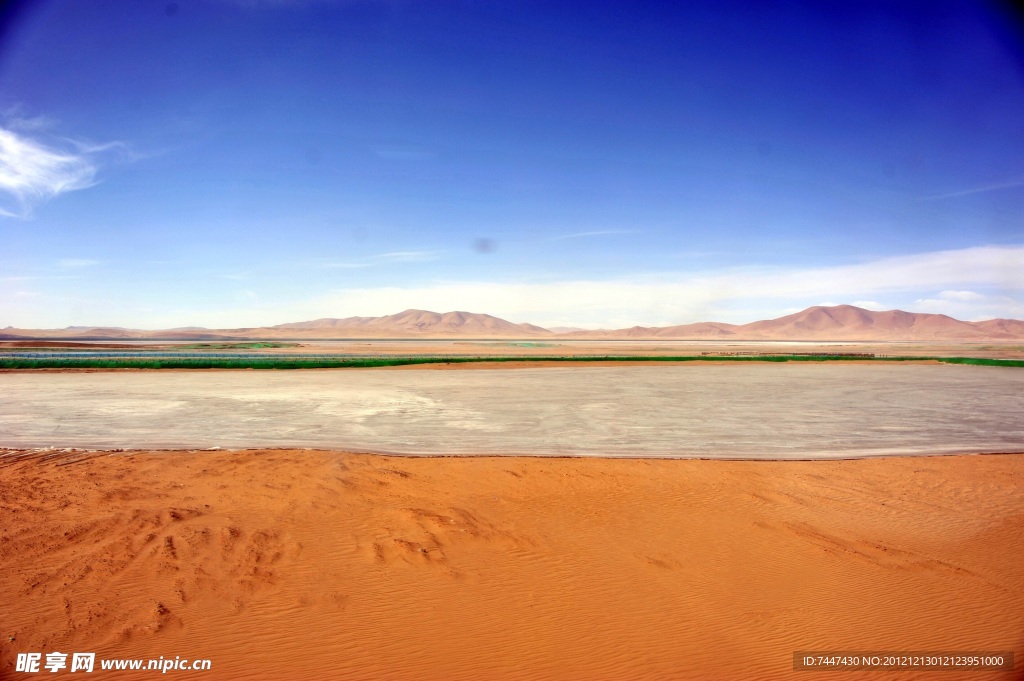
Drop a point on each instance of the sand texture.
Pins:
(288, 564)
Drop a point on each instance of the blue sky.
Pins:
(237, 163)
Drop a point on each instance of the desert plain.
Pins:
(285, 563)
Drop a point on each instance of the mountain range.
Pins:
(818, 323)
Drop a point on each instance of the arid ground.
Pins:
(289, 564)
(307, 563)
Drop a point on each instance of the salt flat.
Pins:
(715, 411)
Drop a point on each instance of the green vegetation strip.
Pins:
(981, 361)
(278, 362)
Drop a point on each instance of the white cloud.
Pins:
(961, 295)
(32, 172)
(971, 306)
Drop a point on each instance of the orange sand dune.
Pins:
(303, 564)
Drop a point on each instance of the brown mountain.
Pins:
(839, 322)
(408, 324)
(420, 323)
(1011, 327)
(846, 322)
(699, 331)
(819, 323)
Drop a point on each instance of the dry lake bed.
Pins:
(716, 411)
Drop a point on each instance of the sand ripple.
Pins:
(300, 564)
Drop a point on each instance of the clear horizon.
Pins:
(242, 163)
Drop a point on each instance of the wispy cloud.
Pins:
(976, 190)
(385, 259)
(600, 232)
(17, 119)
(96, 148)
(408, 256)
(32, 172)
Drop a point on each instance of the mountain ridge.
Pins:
(816, 323)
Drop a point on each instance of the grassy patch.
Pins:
(283, 362)
(278, 362)
(200, 363)
(981, 361)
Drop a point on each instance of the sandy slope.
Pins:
(299, 564)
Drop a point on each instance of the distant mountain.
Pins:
(698, 331)
(1010, 327)
(819, 323)
(839, 322)
(846, 322)
(407, 324)
(419, 323)
(328, 323)
(701, 330)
